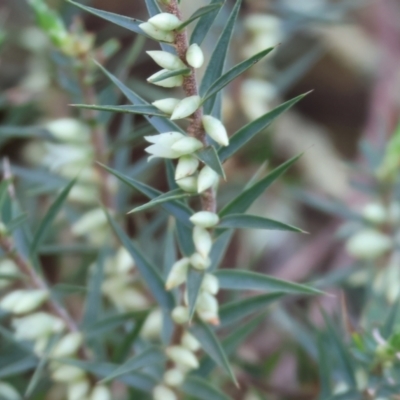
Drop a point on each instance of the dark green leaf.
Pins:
(209, 156)
(19, 367)
(324, 367)
(16, 223)
(233, 73)
(149, 356)
(129, 109)
(185, 239)
(49, 217)
(234, 279)
(243, 135)
(25, 132)
(193, 285)
(246, 198)
(203, 26)
(237, 310)
(244, 221)
(165, 197)
(217, 61)
(131, 24)
(202, 390)
(212, 346)
(219, 248)
(350, 395)
(200, 12)
(170, 74)
(390, 322)
(149, 272)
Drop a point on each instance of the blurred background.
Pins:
(346, 52)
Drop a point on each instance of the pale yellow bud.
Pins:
(216, 130)
(166, 60)
(205, 219)
(375, 213)
(166, 105)
(190, 342)
(369, 244)
(78, 390)
(100, 392)
(161, 392)
(69, 130)
(187, 165)
(187, 145)
(23, 301)
(199, 262)
(183, 356)
(68, 345)
(8, 269)
(178, 273)
(180, 314)
(202, 241)
(172, 81)
(207, 178)
(67, 373)
(188, 184)
(91, 221)
(153, 325)
(186, 107)
(174, 377)
(210, 284)
(195, 56)
(156, 33)
(207, 308)
(7, 392)
(165, 21)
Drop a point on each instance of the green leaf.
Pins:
(212, 346)
(217, 62)
(201, 389)
(152, 7)
(324, 367)
(170, 74)
(129, 109)
(131, 24)
(179, 210)
(185, 239)
(233, 73)
(50, 217)
(193, 285)
(234, 279)
(209, 156)
(19, 367)
(16, 222)
(350, 395)
(200, 12)
(237, 310)
(390, 321)
(244, 221)
(4, 184)
(165, 197)
(149, 356)
(203, 26)
(219, 248)
(243, 135)
(246, 198)
(159, 123)
(24, 132)
(149, 272)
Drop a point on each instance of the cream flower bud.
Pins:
(166, 105)
(37, 325)
(206, 179)
(375, 213)
(183, 356)
(78, 390)
(41, 346)
(187, 165)
(165, 21)
(180, 314)
(216, 130)
(153, 325)
(161, 392)
(91, 221)
(368, 244)
(7, 392)
(199, 262)
(186, 107)
(23, 301)
(123, 261)
(190, 342)
(188, 184)
(202, 241)
(174, 377)
(162, 144)
(178, 273)
(166, 60)
(207, 308)
(205, 219)
(187, 145)
(100, 392)
(195, 56)
(68, 130)
(210, 284)
(67, 373)
(8, 269)
(68, 345)
(170, 82)
(156, 33)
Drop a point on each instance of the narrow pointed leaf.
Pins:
(200, 12)
(149, 356)
(216, 65)
(149, 272)
(16, 223)
(152, 7)
(193, 285)
(170, 74)
(165, 197)
(209, 156)
(390, 321)
(19, 367)
(128, 109)
(200, 389)
(212, 346)
(234, 279)
(219, 249)
(131, 24)
(159, 123)
(177, 209)
(203, 25)
(243, 135)
(237, 310)
(233, 73)
(246, 198)
(185, 239)
(244, 221)
(50, 217)
(324, 370)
